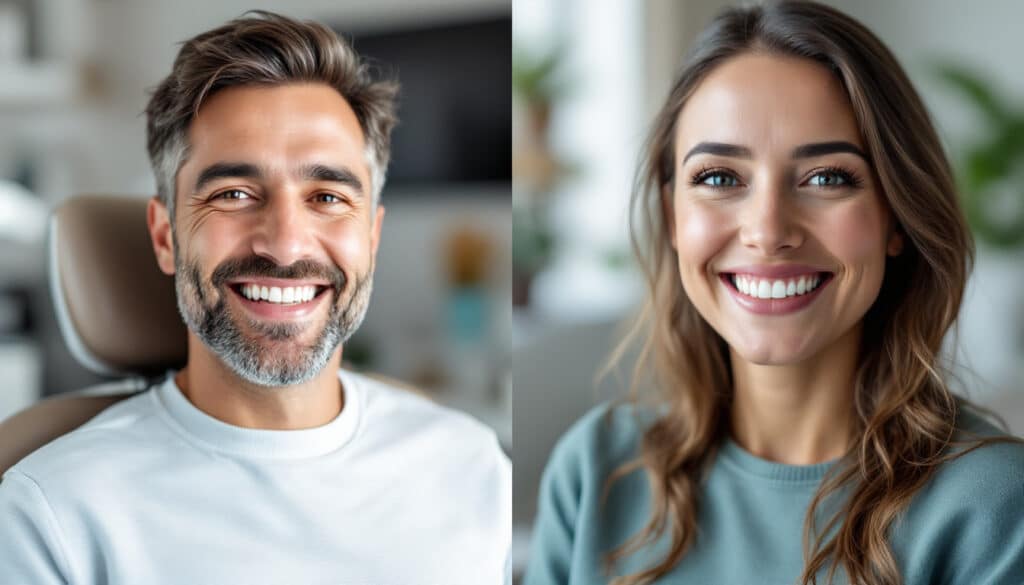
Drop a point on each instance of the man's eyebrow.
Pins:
(719, 148)
(313, 172)
(225, 170)
(821, 148)
(320, 172)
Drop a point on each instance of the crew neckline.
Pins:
(749, 463)
(220, 436)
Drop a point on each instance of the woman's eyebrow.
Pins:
(822, 148)
(720, 149)
(803, 151)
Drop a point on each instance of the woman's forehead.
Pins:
(767, 102)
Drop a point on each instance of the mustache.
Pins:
(259, 266)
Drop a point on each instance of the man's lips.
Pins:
(278, 282)
(279, 299)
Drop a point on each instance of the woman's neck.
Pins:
(799, 414)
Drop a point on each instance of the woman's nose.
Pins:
(768, 221)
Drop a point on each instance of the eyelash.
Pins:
(223, 195)
(850, 178)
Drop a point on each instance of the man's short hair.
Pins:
(264, 49)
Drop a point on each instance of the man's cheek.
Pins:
(350, 250)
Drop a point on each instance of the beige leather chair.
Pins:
(116, 310)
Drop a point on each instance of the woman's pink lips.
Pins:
(276, 311)
(773, 306)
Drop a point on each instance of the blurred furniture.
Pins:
(556, 382)
(116, 311)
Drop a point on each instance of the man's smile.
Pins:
(268, 299)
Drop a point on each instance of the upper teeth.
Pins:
(276, 294)
(775, 289)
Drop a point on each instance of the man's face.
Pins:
(275, 234)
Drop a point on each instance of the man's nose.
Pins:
(285, 233)
(769, 222)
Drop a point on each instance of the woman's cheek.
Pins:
(700, 234)
(856, 234)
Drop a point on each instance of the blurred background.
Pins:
(74, 81)
(588, 77)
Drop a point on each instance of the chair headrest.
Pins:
(116, 310)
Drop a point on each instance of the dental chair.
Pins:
(116, 311)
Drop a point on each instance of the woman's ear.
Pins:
(668, 213)
(894, 247)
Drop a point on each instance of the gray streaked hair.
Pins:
(263, 48)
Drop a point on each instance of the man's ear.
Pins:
(668, 213)
(160, 234)
(378, 220)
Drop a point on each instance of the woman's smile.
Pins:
(763, 294)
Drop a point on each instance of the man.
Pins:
(262, 461)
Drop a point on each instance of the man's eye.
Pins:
(329, 198)
(232, 194)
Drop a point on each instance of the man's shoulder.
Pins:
(395, 409)
(122, 426)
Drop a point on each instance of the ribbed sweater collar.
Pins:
(216, 435)
(751, 464)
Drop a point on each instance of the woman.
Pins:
(799, 228)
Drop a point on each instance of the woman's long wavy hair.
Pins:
(905, 413)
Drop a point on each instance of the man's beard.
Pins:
(248, 355)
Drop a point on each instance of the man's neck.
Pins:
(216, 390)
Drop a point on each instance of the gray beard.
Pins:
(250, 358)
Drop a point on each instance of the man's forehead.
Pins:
(280, 126)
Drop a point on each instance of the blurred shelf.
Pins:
(41, 83)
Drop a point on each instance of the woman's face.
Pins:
(779, 225)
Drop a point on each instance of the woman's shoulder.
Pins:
(967, 524)
(604, 438)
(985, 458)
(1000, 454)
(983, 475)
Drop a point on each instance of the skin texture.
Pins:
(793, 373)
(281, 220)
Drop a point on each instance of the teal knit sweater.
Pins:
(965, 527)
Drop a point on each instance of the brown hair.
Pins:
(264, 49)
(905, 413)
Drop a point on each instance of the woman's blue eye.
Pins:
(829, 179)
(718, 180)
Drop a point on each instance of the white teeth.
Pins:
(280, 295)
(775, 289)
(778, 290)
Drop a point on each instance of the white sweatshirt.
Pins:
(395, 490)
